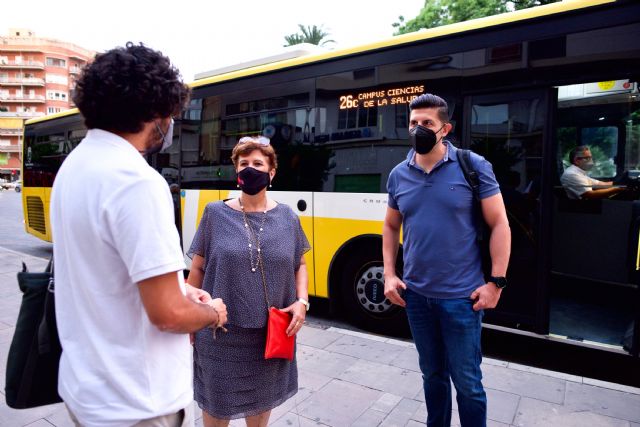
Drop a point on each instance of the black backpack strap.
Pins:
(470, 174)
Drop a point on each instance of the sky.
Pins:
(201, 35)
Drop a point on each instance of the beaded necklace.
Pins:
(254, 240)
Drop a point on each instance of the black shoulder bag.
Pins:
(34, 355)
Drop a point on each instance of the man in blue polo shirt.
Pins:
(443, 286)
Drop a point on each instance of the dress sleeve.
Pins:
(301, 244)
(199, 243)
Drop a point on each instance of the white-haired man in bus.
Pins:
(445, 292)
(122, 308)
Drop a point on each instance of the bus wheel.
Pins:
(363, 297)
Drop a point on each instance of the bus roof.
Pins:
(445, 30)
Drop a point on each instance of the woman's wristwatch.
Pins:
(304, 302)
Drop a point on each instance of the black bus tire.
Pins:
(362, 294)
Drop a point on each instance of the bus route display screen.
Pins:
(380, 98)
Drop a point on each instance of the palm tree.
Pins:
(309, 34)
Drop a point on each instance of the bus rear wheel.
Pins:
(362, 289)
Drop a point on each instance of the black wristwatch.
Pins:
(500, 282)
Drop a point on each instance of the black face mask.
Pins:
(423, 139)
(253, 181)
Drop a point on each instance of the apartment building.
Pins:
(37, 77)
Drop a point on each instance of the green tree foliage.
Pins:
(443, 12)
(308, 34)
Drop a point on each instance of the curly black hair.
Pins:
(126, 87)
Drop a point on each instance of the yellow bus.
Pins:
(523, 89)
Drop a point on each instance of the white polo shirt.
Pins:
(576, 182)
(113, 226)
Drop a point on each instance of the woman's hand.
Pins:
(299, 312)
(197, 294)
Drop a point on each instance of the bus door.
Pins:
(510, 130)
(594, 295)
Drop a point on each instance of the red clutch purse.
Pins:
(279, 345)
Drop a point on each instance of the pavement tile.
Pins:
(494, 362)
(364, 335)
(413, 423)
(290, 404)
(491, 423)
(316, 337)
(545, 372)
(40, 423)
(407, 359)
(533, 413)
(384, 378)
(6, 335)
(612, 386)
(501, 406)
(290, 419)
(363, 348)
(22, 417)
(312, 380)
(323, 362)
(524, 383)
(612, 403)
(197, 412)
(386, 403)
(338, 403)
(420, 414)
(61, 418)
(402, 413)
(369, 418)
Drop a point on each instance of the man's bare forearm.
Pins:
(500, 248)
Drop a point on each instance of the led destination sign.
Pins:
(380, 98)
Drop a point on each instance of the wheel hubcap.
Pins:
(370, 291)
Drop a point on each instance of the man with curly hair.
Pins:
(122, 307)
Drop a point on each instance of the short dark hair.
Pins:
(429, 100)
(575, 151)
(126, 87)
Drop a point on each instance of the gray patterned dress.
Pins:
(231, 377)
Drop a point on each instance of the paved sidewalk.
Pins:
(353, 379)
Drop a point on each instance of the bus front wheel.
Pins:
(362, 288)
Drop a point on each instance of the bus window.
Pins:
(592, 285)
(44, 155)
(508, 130)
(75, 137)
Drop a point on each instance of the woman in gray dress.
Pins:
(232, 379)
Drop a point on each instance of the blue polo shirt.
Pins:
(441, 255)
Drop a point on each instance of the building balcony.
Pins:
(10, 132)
(25, 81)
(21, 114)
(39, 99)
(10, 149)
(75, 70)
(37, 65)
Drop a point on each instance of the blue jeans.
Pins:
(447, 336)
